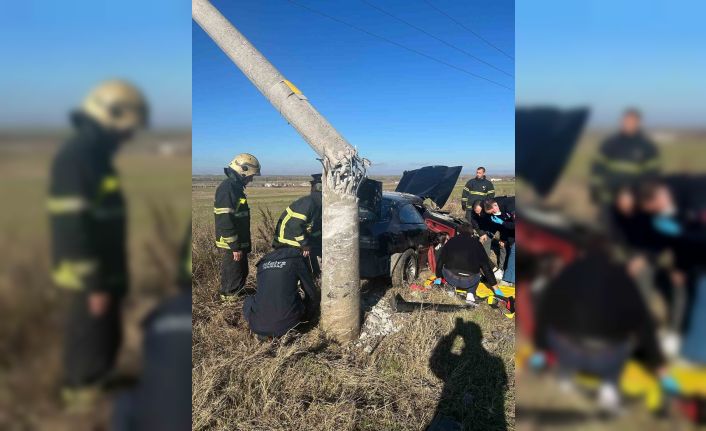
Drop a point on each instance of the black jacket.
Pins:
(478, 221)
(476, 189)
(506, 228)
(464, 253)
(163, 397)
(596, 299)
(300, 224)
(277, 306)
(622, 161)
(635, 233)
(87, 212)
(232, 214)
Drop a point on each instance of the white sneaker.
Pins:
(498, 274)
(609, 398)
(470, 299)
(671, 344)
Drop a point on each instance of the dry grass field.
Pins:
(458, 364)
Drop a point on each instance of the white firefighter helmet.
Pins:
(246, 165)
(117, 106)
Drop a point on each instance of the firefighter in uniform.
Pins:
(299, 226)
(623, 161)
(277, 305)
(88, 229)
(232, 216)
(476, 189)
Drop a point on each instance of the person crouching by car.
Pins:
(502, 223)
(278, 306)
(463, 261)
(476, 217)
(593, 318)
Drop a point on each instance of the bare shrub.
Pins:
(162, 249)
(265, 231)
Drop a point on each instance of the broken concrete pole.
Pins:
(343, 171)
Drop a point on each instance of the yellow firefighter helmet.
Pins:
(117, 106)
(246, 165)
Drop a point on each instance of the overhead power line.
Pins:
(399, 45)
(463, 51)
(459, 23)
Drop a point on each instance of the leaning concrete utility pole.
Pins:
(343, 170)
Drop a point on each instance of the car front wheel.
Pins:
(403, 267)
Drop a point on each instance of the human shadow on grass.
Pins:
(475, 382)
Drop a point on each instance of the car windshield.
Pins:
(385, 208)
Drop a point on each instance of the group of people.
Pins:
(643, 276)
(286, 294)
(466, 259)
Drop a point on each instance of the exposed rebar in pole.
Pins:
(343, 170)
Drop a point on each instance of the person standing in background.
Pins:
(623, 160)
(477, 189)
(232, 215)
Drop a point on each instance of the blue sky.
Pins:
(53, 52)
(609, 55)
(401, 110)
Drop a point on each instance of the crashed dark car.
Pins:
(398, 229)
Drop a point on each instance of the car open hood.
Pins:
(544, 140)
(433, 182)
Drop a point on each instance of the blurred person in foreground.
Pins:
(651, 261)
(623, 160)
(162, 398)
(88, 228)
(232, 214)
(679, 223)
(299, 226)
(593, 318)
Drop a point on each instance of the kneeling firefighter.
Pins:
(232, 215)
(463, 261)
(299, 226)
(277, 306)
(88, 228)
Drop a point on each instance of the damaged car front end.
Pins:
(400, 230)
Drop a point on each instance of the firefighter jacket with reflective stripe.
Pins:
(232, 214)
(277, 305)
(622, 161)
(476, 190)
(300, 224)
(87, 213)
